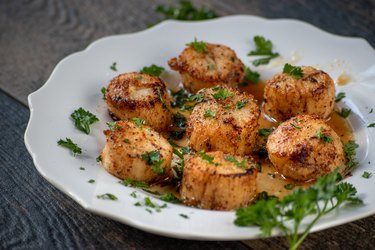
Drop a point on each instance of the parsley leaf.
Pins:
(222, 94)
(350, 152)
(169, 197)
(289, 186)
(317, 200)
(113, 66)
(265, 132)
(371, 125)
(138, 122)
(184, 216)
(186, 11)
(134, 183)
(295, 126)
(206, 157)
(69, 144)
(240, 105)
(153, 70)
(113, 126)
(322, 136)
(152, 158)
(239, 164)
(250, 76)
(263, 47)
(344, 113)
(340, 96)
(83, 119)
(104, 92)
(209, 113)
(198, 46)
(295, 71)
(179, 120)
(107, 196)
(366, 175)
(184, 100)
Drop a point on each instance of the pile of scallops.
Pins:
(222, 129)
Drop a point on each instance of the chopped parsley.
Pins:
(344, 113)
(239, 164)
(134, 183)
(295, 71)
(113, 66)
(287, 214)
(82, 168)
(83, 119)
(184, 216)
(184, 100)
(371, 110)
(104, 92)
(99, 158)
(152, 159)
(340, 96)
(250, 76)
(371, 125)
(133, 194)
(107, 196)
(138, 122)
(169, 197)
(179, 120)
(289, 186)
(113, 126)
(366, 175)
(186, 11)
(137, 204)
(265, 132)
(350, 151)
(126, 140)
(160, 95)
(209, 113)
(240, 105)
(153, 70)
(91, 181)
(199, 47)
(295, 126)
(263, 47)
(206, 157)
(149, 203)
(222, 94)
(322, 136)
(69, 144)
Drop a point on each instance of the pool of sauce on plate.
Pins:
(268, 179)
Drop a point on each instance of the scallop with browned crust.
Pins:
(140, 95)
(218, 181)
(305, 147)
(227, 121)
(135, 151)
(212, 65)
(286, 96)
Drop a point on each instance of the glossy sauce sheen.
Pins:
(268, 179)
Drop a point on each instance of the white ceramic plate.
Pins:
(76, 82)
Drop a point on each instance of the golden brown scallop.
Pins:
(216, 65)
(305, 147)
(137, 152)
(286, 96)
(218, 181)
(140, 95)
(226, 121)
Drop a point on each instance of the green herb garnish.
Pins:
(91, 181)
(240, 105)
(209, 113)
(138, 122)
(317, 200)
(250, 76)
(152, 158)
(371, 125)
(366, 174)
(83, 119)
(263, 47)
(222, 94)
(295, 126)
(82, 168)
(239, 164)
(69, 144)
(186, 11)
(113, 66)
(350, 151)
(133, 194)
(134, 183)
(289, 186)
(344, 113)
(206, 157)
(198, 46)
(265, 132)
(322, 136)
(113, 126)
(153, 70)
(179, 120)
(99, 158)
(340, 96)
(104, 92)
(169, 197)
(184, 216)
(107, 196)
(295, 71)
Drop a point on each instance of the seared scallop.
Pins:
(140, 95)
(305, 147)
(211, 65)
(226, 121)
(218, 181)
(135, 151)
(286, 96)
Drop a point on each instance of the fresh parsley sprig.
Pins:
(317, 200)
(250, 76)
(263, 47)
(153, 70)
(69, 144)
(344, 112)
(295, 71)
(200, 47)
(83, 119)
(340, 96)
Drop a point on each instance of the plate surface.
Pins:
(76, 82)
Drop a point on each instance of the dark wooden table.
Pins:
(36, 35)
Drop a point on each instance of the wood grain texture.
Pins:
(36, 35)
(35, 215)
